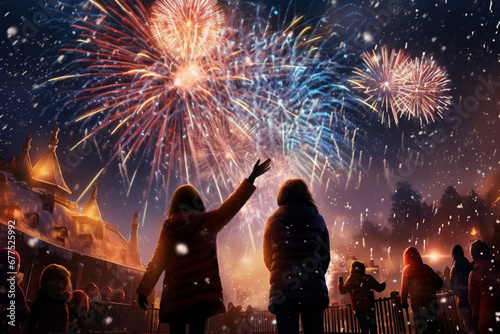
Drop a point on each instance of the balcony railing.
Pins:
(391, 319)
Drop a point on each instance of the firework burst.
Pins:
(188, 29)
(380, 80)
(426, 90)
(397, 86)
(204, 114)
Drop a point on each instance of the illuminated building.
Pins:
(52, 229)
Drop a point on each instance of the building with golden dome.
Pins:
(52, 229)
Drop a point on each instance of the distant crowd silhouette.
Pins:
(296, 250)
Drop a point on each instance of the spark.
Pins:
(380, 81)
(398, 86)
(204, 112)
(189, 29)
(425, 90)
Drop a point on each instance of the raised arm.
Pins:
(216, 219)
(341, 286)
(375, 285)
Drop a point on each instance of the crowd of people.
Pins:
(57, 309)
(296, 250)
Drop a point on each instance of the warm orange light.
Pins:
(473, 232)
(187, 29)
(187, 77)
(13, 212)
(434, 256)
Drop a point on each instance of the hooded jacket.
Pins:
(459, 279)
(187, 252)
(484, 288)
(297, 254)
(361, 286)
(49, 313)
(418, 280)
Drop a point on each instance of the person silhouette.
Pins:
(187, 253)
(459, 284)
(50, 313)
(297, 254)
(361, 286)
(484, 288)
(421, 283)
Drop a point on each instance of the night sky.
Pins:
(461, 36)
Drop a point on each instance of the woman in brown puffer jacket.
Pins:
(296, 249)
(187, 252)
(361, 286)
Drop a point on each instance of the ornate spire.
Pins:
(47, 171)
(24, 169)
(27, 144)
(53, 139)
(134, 235)
(91, 209)
(136, 218)
(94, 192)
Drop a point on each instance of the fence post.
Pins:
(152, 316)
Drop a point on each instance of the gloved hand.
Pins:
(258, 170)
(143, 301)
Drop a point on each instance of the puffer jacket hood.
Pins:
(357, 267)
(479, 250)
(185, 198)
(457, 252)
(412, 256)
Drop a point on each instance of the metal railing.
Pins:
(106, 317)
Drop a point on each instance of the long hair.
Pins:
(185, 198)
(295, 191)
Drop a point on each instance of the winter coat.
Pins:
(361, 286)
(459, 280)
(418, 280)
(21, 308)
(49, 314)
(297, 254)
(78, 308)
(484, 293)
(187, 252)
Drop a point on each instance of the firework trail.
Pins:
(397, 86)
(202, 112)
